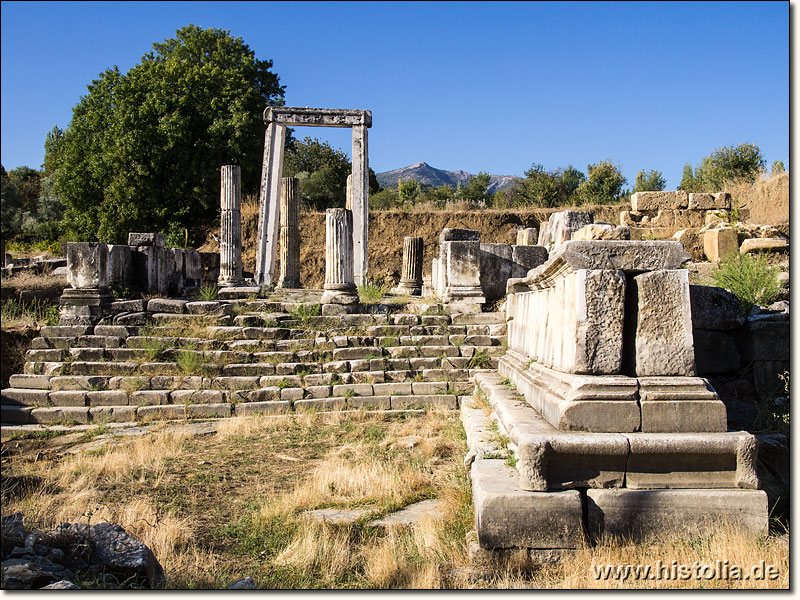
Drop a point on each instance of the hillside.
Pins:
(426, 174)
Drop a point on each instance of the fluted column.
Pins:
(339, 286)
(411, 277)
(290, 233)
(230, 234)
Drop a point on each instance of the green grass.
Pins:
(372, 293)
(189, 361)
(154, 348)
(15, 311)
(480, 360)
(749, 277)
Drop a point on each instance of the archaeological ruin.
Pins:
(579, 357)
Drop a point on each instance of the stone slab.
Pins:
(764, 245)
(641, 201)
(720, 243)
(269, 407)
(508, 517)
(411, 515)
(663, 342)
(642, 513)
(715, 308)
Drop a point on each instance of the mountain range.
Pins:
(424, 173)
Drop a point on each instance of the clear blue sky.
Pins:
(473, 85)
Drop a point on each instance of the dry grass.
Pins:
(221, 507)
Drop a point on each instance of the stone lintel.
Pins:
(317, 117)
(629, 256)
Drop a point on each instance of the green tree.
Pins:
(778, 167)
(407, 191)
(143, 150)
(10, 207)
(572, 178)
(650, 181)
(742, 162)
(603, 186)
(688, 183)
(27, 184)
(475, 190)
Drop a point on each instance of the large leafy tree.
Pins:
(144, 149)
(603, 186)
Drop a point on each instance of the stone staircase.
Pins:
(246, 357)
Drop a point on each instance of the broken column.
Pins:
(87, 273)
(290, 233)
(230, 231)
(360, 202)
(339, 286)
(411, 278)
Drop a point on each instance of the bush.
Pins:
(749, 277)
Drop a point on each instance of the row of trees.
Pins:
(143, 151)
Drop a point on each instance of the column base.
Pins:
(340, 297)
(84, 306)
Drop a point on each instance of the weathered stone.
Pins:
(441, 401)
(411, 514)
(496, 268)
(335, 516)
(230, 245)
(644, 513)
(705, 201)
(449, 234)
(60, 414)
(720, 243)
(461, 265)
(87, 265)
(583, 331)
(24, 397)
(506, 516)
(411, 277)
(166, 305)
(68, 398)
(339, 286)
(146, 239)
(655, 200)
(663, 324)
(692, 241)
(764, 245)
(31, 382)
(527, 237)
(561, 226)
(525, 258)
(121, 274)
(246, 583)
(290, 233)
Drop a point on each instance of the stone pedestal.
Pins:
(230, 234)
(411, 278)
(339, 286)
(84, 306)
(290, 233)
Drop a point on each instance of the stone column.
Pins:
(268, 203)
(349, 193)
(340, 287)
(411, 278)
(360, 207)
(290, 233)
(230, 228)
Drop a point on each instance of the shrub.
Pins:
(208, 292)
(749, 277)
(372, 292)
(189, 361)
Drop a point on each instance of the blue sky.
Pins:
(460, 85)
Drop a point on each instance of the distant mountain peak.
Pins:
(428, 175)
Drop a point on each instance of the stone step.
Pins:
(206, 404)
(549, 459)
